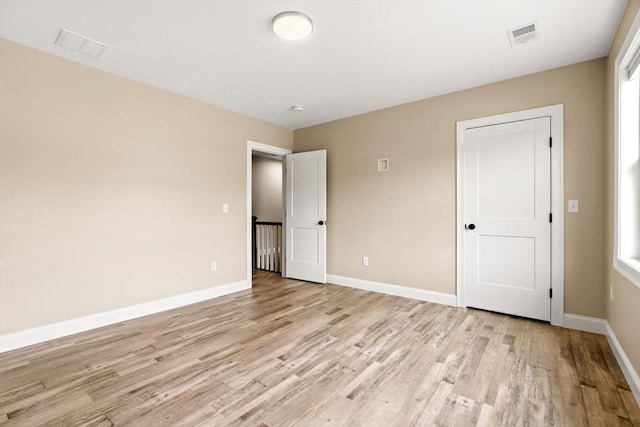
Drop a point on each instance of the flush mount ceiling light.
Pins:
(292, 25)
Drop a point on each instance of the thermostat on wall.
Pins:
(383, 165)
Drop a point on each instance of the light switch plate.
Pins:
(574, 206)
(225, 208)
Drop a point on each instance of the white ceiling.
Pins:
(362, 56)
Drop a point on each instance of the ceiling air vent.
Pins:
(523, 33)
(80, 43)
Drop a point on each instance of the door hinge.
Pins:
(550, 217)
(550, 142)
(550, 293)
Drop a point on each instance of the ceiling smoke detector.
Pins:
(82, 44)
(523, 33)
(297, 108)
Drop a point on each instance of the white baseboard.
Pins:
(601, 326)
(625, 364)
(51, 331)
(400, 291)
(584, 323)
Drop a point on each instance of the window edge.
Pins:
(629, 270)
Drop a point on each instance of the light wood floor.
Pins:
(289, 353)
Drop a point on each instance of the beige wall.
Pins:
(623, 313)
(404, 220)
(267, 189)
(111, 191)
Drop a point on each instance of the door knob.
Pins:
(471, 226)
(321, 222)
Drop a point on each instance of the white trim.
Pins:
(51, 331)
(602, 327)
(623, 267)
(556, 112)
(585, 323)
(630, 43)
(263, 148)
(396, 290)
(625, 364)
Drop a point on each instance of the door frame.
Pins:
(269, 149)
(556, 113)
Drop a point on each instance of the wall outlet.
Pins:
(365, 261)
(611, 292)
(214, 265)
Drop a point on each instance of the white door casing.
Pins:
(514, 256)
(508, 227)
(305, 216)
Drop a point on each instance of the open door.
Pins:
(305, 216)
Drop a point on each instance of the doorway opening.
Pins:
(266, 212)
(267, 160)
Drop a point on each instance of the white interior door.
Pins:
(305, 216)
(507, 215)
